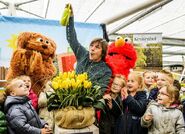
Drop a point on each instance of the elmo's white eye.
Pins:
(39, 39)
(127, 39)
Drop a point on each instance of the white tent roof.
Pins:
(168, 19)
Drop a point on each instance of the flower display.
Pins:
(72, 89)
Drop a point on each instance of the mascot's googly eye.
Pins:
(39, 40)
(117, 38)
(128, 40)
(47, 42)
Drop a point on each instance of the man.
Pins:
(91, 61)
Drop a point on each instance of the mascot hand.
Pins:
(36, 62)
(19, 61)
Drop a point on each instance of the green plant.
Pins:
(72, 90)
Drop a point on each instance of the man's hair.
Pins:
(103, 44)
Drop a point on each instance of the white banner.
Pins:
(147, 38)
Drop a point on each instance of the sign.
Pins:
(147, 38)
(10, 26)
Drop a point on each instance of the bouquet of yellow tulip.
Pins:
(71, 89)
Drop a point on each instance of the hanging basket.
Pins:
(70, 117)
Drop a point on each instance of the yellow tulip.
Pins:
(60, 74)
(73, 84)
(72, 75)
(82, 77)
(65, 75)
(55, 85)
(87, 84)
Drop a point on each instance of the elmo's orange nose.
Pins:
(119, 41)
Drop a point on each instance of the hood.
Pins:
(11, 100)
(153, 102)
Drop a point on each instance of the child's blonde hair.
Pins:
(147, 71)
(139, 79)
(9, 86)
(121, 78)
(168, 74)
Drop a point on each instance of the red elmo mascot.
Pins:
(121, 56)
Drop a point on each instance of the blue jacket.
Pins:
(153, 94)
(98, 72)
(133, 109)
(21, 116)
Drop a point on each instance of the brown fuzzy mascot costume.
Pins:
(33, 57)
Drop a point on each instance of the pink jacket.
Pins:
(34, 99)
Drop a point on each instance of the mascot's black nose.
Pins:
(44, 46)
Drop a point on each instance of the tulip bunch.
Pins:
(72, 89)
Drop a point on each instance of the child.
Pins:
(162, 117)
(134, 106)
(32, 96)
(148, 81)
(20, 114)
(113, 106)
(164, 77)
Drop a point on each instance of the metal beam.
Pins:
(92, 12)
(29, 12)
(139, 16)
(47, 9)
(172, 62)
(25, 2)
(136, 9)
(5, 3)
(3, 8)
(173, 42)
(173, 53)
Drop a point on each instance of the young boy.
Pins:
(32, 96)
(20, 114)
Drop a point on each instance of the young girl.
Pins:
(148, 81)
(113, 106)
(20, 114)
(32, 96)
(162, 117)
(134, 106)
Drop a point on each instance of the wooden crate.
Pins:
(88, 130)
